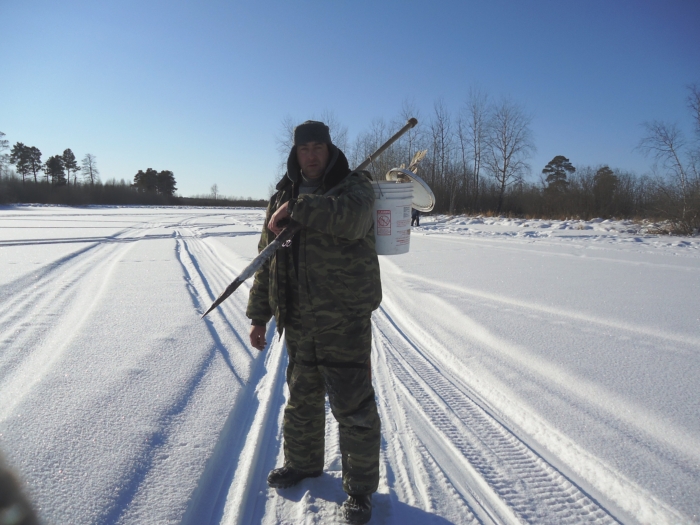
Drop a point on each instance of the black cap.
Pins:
(311, 131)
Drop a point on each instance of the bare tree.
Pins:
(463, 153)
(441, 133)
(4, 157)
(666, 144)
(412, 141)
(339, 132)
(89, 168)
(215, 191)
(477, 114)
(285, 136)
(694, 106)
(367, 142)
(509, 145)
(285, 141)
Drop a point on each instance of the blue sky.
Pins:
(201, 88)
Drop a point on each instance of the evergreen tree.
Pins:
(162, 183)
(55, 170)
(146, 180)
(605, 183)
(34, 161)
(166, 183)
(19, 156)
(556, 171)
(70, 164)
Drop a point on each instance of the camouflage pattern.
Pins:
(334, 361)
(324, 303)
(338, 266)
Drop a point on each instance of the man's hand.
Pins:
(257, 337)
(279, 217)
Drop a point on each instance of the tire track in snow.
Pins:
(408, 470)
(509, 482)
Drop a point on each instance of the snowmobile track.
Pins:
(520, 486)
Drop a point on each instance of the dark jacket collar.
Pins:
(338, 168)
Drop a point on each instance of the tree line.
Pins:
(59, 180)
(477, 163)
(57, 168)
(62, 182)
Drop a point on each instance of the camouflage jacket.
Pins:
(338, 269)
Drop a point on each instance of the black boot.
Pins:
(358, 509)
(281, 478)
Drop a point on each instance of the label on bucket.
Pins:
(383, 222)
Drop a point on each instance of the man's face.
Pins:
(313, 158)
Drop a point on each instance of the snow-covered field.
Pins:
(526, 372)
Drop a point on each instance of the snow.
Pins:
(527, 371)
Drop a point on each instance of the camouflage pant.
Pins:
(335, 361)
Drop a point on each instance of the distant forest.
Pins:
(59, 180)
(476, 163)
(112, 192)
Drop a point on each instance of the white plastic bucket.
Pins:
(392, 216)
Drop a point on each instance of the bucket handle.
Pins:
(397, 181)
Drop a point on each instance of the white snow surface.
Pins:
(526, 371)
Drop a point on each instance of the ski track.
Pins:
(65, 292)
(222, 492)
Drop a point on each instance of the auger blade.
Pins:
(224, 295)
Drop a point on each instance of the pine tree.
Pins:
(19, 156)
(605, 183)
(146, 180)
(166, 183)
(162, 183)
(70, 164)
(34, 161)
(55, 170)
(556, 171)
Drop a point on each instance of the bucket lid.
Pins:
(423, 197)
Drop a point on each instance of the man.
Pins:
(415, 217)
(322, 290)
